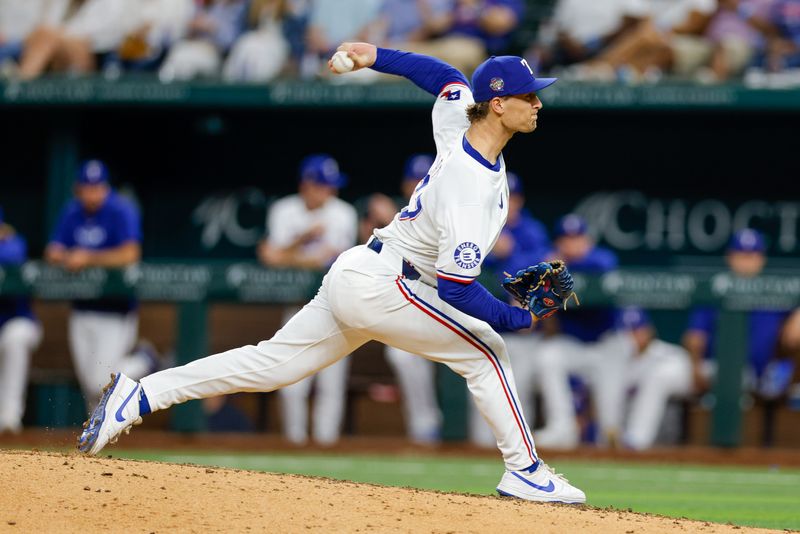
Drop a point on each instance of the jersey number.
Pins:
(408, 214)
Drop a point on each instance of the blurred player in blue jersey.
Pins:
(20, 334)
(746, 258)
(523, 241)
(582, 346)
(100, 228)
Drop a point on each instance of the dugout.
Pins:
(654, 168)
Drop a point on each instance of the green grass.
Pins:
(751, 496)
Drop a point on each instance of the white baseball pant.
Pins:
(522, 351)
(601, 365)
(19, 337)
(417, 379)
(656, 378)
(330, 394)
(100, 343)
(364, 297)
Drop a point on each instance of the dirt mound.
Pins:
(51, 492)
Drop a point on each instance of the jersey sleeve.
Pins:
(450, 115)
(13, 251)
(130, 225)
(462, 243)
(63, 233)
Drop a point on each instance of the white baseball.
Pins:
(341, 63)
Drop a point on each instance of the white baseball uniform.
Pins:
(522, 351)
(19, 337)
(661, 372)
(288, 219)
(451, 223)
(417, 379)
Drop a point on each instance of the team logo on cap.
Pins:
(467, 255)
(496, 84)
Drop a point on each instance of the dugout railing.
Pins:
(193, 286)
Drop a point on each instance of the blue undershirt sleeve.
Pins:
(13, 251)
(427, 72)
(474, 300)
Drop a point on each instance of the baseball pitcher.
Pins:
(412, 285)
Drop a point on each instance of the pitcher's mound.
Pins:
(51, 492)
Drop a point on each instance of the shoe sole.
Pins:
(92, 427)
(506, 494)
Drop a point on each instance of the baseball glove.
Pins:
(542, 288)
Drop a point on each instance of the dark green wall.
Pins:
(172, 160)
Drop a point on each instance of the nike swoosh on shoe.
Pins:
(119, 416)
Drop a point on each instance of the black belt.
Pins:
(408, 270)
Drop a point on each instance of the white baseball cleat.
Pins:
(539, 483)
(117, 412)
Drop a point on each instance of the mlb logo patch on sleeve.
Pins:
(452, 95)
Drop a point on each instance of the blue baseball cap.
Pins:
(503, 76)
(632, 318)
(322, 169)
(514, 183)
(417, 166)
(747, 240)
(571, 224)
(93, 172)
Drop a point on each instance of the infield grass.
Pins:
(752, 496)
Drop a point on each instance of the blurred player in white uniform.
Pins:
(417, 376)
(412, 286)
(308, 231)
(584, 345)
(20, 334)
(655, 371)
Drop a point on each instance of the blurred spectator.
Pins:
(403, 22)
(653, 372)
(460, 32)
(308, 231)
(260, 55)
(20, 334)
(100, 228)
(213, 29)
(490, 21)
(671, 39)
(746, 258)
(783, 49)
(580, 29)
(155, 25)
(73, 36)
(734, 39)
(579, 346)
(17, 21)
(415, 374)
(522, 242)
(332, 22)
